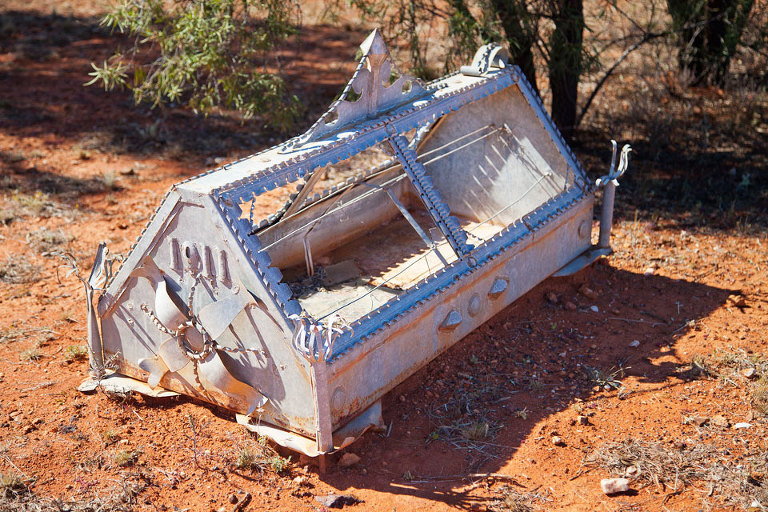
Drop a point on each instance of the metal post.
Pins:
(95, 348)
(323, 425)
(606, 215)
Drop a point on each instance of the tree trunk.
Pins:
(565, 63)
(709, 32)
(521, 29)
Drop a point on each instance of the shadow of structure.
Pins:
(470, 409)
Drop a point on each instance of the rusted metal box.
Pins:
(413, 212)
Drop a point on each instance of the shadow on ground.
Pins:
(530, 361)
(47, 62)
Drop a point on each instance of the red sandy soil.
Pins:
(99, 171)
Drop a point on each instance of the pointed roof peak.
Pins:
(376, 87)
(374, 44)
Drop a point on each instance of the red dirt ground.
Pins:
(90, 164)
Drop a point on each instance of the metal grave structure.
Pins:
(412, 213)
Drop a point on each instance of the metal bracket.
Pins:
(488, 56)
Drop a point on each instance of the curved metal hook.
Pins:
(315, 340)
(614, 173)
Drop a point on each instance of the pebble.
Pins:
(699, 421)
(348, 459)
(749, 373)
(588, 292)
(570, 306)
(233, 499)
(594, 308)
(614, 485)
(582, 420)
(300, 480)
(720, 421)
(631, 471)
(649, 271)
(635, 343)
(552, 297)
(557, 441)
(337, 500)
(742, 425)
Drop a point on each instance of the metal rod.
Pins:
(415, 225)
(334, 210)
(606, 215)
(510, 205)
(459, 139)
(440, 157)
(379, 285)
(322, 396)
(297, 204)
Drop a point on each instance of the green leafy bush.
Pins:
(205, 54)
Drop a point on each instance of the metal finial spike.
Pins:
(374, 44)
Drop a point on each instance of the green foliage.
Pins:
(261, 456)
(75, 353)
(205, 54)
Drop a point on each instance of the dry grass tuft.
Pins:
(673, 469)
(760, 396)
(45, 240)
(121, 498)
(18, 270)
(124, 458)
(11, 484)
(511, 501)
(19, 205)
(732, 367)
(75, 353)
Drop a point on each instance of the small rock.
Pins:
(634, 343)
(588, 292)
(720, 421)
(649, 271)
(337, 500)
(737, 301)
(742, 425)
(233, 499)
(300, 480)
(221, 509)
(557, 441)
(755, 506)
(749, 373)
(570, 306)
(582, 420)
(37, 421)
(348, 459)
(594, 308)
(631, 471)
(552, 297)
(699, 421)
(614, 485)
